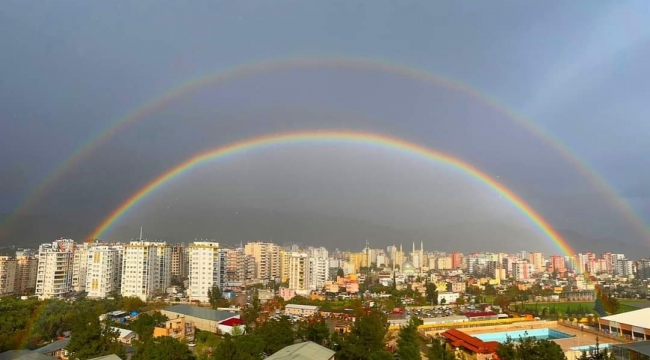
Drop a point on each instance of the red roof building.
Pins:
(472, 346)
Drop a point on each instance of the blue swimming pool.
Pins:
(545, 333)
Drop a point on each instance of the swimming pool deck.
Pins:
(581, 338)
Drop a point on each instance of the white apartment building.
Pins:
(299, 272)
(146, 269)
(79, 264)
(104, 270)
(179, 261)
(267, 259)
(54, 274)
(207, 269)
(8, 269)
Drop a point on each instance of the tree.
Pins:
(340, 273)
(502, 302)
(407, 343)
(145, 324)
(216, 299)
(133, 303)
(530, 349)
(443, 301)
(432, 293)
(91, 338)
(439, 351)
(162, 348)
(381, 355)
(251, 315)
(365, 337)
(315, 330)
(460, 301)
(245, 347)
(276, 334)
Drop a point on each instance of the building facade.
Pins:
(104, 271)
(54, 274)
(146, 269)
(207, 269)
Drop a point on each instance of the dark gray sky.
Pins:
(577, 69)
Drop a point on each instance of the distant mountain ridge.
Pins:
(232, 226)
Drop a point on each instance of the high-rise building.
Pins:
(267, 259)
(624, 267)
(8, 268)
(104, 271)
(54, 274)
(26, 270)
(537, 259)
(643, 269)
(240, 268)
(557, 264)
(79, 264)
(146, 269)
(179, 262)
(299, 272)
(207, 269)
(456, 260)
(521, 270)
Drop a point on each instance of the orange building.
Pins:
(177, 328)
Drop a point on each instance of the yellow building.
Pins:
(177, 328)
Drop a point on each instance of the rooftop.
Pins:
(23, 355)
(303, 351)
(637, 318)
(54, 346)
(459, 339)
(641, 347)
(200, 312)
(302, 307)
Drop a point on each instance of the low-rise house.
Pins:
(303, 351)
(125, 336)
(301, 310)
(55, 349)
(177, 328)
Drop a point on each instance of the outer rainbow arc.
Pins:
(315, 62)
(341, 136)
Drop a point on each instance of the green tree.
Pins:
(251, 315)
(432, 293)
(365, 337)
(276, 334)
(92, 338)
(315, 330)
(460, 301)
(216, 299)
(145, 324)
(530, 349)
(133, 303)
(439, 351)
(381, 355)
(407, 342)
(162, 348)
(245, 347)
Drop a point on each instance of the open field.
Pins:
(588, 306)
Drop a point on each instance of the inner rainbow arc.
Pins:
(338, 136)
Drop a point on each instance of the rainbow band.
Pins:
(211, 79)
(326, 136)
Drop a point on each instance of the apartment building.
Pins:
(240, 268)
(299, 272)
(8, 268)
(179, 262)
(207, 269)
(267, 259)
(79, 264)
(26, 270)
(104, 271)
(146, 269)
(54, 274)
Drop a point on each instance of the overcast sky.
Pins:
(578, 70)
